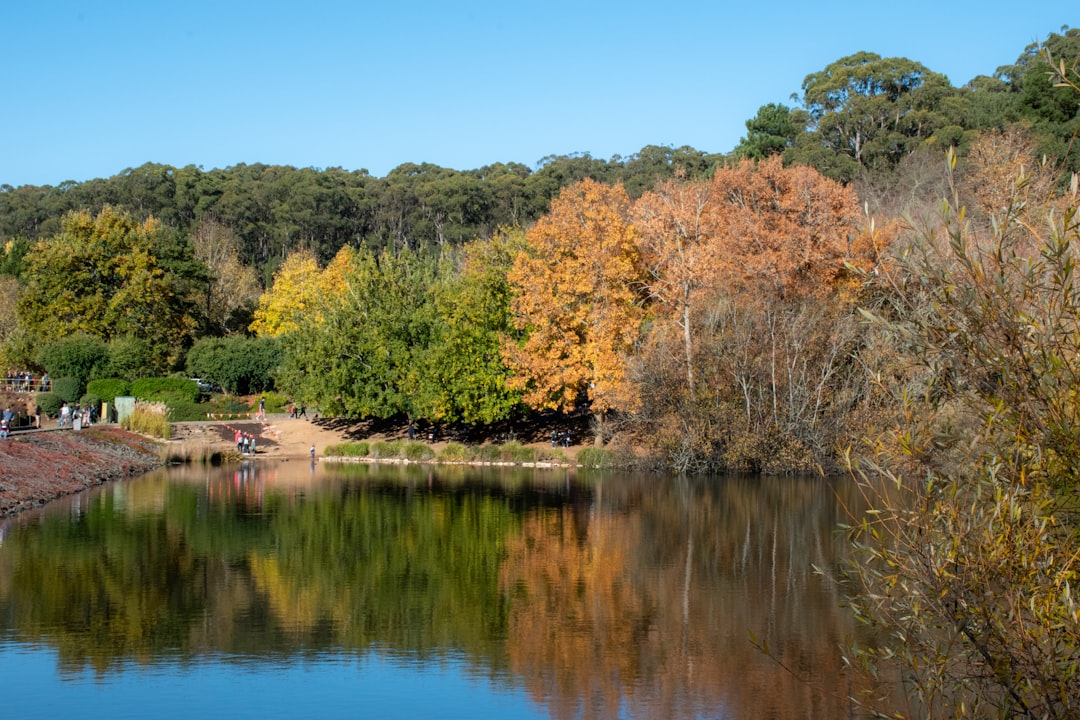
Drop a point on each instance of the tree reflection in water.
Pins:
(602, 595)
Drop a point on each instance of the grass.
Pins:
(453, 452)
(191, 453)
(150, 418)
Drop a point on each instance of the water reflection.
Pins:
(596, 596)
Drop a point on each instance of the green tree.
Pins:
(467, 378)
(772, 131)
(874, 110)
(77, 356)
(240, 365)
(100, 276)
(362, 351)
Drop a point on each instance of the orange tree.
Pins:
(579, 302)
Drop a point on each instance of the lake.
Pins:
(290, 589)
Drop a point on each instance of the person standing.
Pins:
(262, 409)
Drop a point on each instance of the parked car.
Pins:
(205, 386)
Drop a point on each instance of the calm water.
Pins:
(291, 590)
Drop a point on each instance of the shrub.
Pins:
(347, 449)
(129, 358)
(92, 400)
(388, 449)
(455, 452)
(109, 389)
(70, 389)
(595, 457)
(160, 388)
(417, 451)
(514, 451)
(50, 403)
(182, 410)
(275, 402)
(487, 453)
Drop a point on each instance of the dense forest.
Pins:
(880, 279)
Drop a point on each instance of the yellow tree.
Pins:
(578, 302)
(294, 294)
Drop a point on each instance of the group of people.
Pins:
(245, 443)
(87, 415)
(560, 437)
(24, 381)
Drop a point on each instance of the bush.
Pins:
(417, 451)
(129, 358)
(347, 449)
(275, 402)
(163, 388)
(50, 403)
(109, 389)
(455, 452)
(70, 389)
(595, 457)
(388, 449)
(92, 400)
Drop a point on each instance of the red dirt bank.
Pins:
(36, 467)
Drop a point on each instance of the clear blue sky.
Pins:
(91, 88)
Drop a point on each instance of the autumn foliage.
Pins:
(579, 302)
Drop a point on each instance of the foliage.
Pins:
(232, 288)
(129, 357)
(101, 276)
(50, 403)
(69, 389)
(275, 402)
(594, 457)
(873, 110)
(109, 389)
(468, 381)
(156, 387)
(363, 351)
(386, 448)
(455, 452)
(772, 131)
(289, 302)
(347, 449)
(966, 556)
(417, 451)
(578, 303)
(77, 356)
(240, 365)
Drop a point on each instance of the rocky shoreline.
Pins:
(36, 467)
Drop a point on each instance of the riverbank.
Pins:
(36, 467)
(281, 437)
